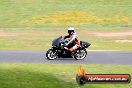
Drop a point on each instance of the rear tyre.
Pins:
(80, 54)
(51, 54)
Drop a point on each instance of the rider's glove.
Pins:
(66, 48)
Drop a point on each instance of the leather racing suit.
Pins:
(73, 38)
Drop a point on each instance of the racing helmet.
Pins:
(71, 30)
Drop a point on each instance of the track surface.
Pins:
(93, 57)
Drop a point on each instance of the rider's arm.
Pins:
(65, 37)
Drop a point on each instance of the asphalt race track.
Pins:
(93, 57)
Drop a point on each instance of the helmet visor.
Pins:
(70, 31)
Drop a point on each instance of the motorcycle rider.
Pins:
(73, 38)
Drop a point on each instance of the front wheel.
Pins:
(80, 54)
(51, 54)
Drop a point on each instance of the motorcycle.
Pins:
(59, 49)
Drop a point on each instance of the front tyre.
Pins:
(51, 54)
(80, 54)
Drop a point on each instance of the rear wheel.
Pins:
(80, 54)
(51, 54)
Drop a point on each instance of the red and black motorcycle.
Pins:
(59, 50)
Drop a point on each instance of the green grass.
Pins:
(22, 75)
(14, 12)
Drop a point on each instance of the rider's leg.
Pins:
(74, 47)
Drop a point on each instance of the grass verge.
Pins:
(24, 75)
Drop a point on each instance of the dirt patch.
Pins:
(6, 33)
(32, 33)
(111, 34)
(123, 41)
(58, 33)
